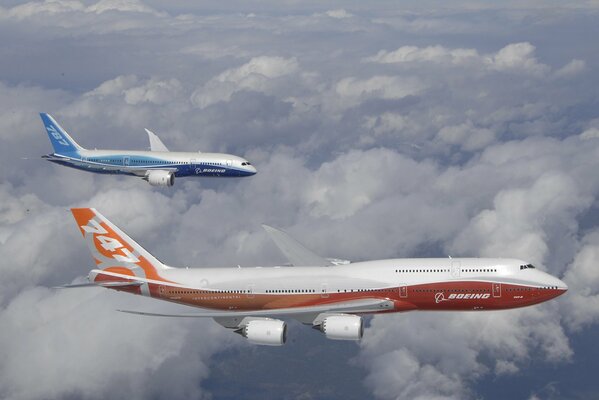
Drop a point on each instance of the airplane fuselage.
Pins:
(409, 284)
(138, 163)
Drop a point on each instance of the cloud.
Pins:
(467, 135)
(259, 74)
(339, 13)
(96, 352)
(574, 67)
(121, 6)
(582, 305)
(439, 54)
(513, 57)
(464, 140)
(352, 91)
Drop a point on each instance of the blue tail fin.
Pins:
(60, 139)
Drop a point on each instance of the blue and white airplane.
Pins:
(159, 166)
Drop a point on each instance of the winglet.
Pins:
(295, 252)
(155, 142)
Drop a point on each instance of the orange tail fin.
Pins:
(113, 249)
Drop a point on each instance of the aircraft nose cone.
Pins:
(252, 170)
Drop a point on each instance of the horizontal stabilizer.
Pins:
(354, 306)
(155, 142)
(101, 284)
(296, 253)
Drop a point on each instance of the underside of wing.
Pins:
(354, 306)
(297, 254)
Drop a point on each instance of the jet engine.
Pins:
(160, 178)
(342, 327)
(265, 331)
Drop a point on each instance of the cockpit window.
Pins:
(246, 163)
(527, 266)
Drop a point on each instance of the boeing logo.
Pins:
(440, 297)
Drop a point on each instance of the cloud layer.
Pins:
(376, 133)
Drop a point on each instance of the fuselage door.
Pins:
(229, 163)
(456, 269)
(324, 293)
(496, 289)
(193, 165)
(403, 291)
(126, 161)
(250, 291)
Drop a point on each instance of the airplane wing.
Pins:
(155, 142)
(353, 306)
(296, 253)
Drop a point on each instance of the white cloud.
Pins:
(425, 150)
(470, 137)
(517, 57)
(353, 90)
(581, 306)
(573, 68)
(591, 133)
(50, 7)
(120, 5)
(339, 13)
(259, 74)
(55, 7)
(73, 342)
(438, 54)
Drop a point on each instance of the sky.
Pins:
(379, 130)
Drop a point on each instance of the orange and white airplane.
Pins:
(329, 294)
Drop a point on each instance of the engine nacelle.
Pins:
(343, 327)
(160, 178)
(265, 331)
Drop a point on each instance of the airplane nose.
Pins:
(252, 170)
(562, 285)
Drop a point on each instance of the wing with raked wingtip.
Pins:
(297, 254)
(352, 306)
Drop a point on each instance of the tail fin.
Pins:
(60, 139)
(113, 249)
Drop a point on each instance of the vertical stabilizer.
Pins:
(60, 139)
(113, 249)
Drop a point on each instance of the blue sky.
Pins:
(393, 129)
